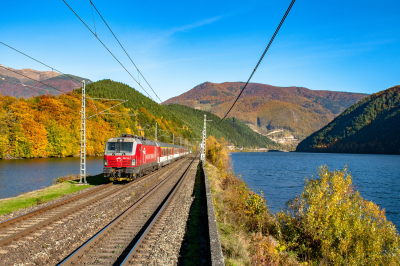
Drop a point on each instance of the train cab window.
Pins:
(119, 147)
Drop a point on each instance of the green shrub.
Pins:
(331, 224)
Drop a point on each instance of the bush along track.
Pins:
(328, 224)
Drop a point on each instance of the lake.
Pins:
(281, 175)
(24, 175)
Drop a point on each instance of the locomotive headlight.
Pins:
(134, 162)
(105, 162)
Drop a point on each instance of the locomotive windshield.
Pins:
(119, 147)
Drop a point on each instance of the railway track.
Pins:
(24, 225)
(128, 238)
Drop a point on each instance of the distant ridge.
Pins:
(266, 108)
(10, 83)
(370, 126)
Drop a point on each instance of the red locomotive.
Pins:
(129, 156)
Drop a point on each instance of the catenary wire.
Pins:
(105, 47)
(125, 50)
(116, 58)
(31, 78)
(259, 61)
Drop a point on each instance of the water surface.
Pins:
(281, 175)
(24, 175)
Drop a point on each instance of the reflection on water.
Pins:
(281, 175)
(20, 176)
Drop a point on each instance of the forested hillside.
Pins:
(49, 125)
(370, 126)
(231, 129)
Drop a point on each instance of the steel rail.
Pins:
(83, 249)
(135, 250)
(65, 213)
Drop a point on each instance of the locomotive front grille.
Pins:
(112, 162)
(126, 163)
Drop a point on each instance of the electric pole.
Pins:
(156, 131)
(83, 136)
(204, 136)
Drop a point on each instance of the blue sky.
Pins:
(337, 45)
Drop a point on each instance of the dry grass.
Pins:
(234, 240)
(245, 224)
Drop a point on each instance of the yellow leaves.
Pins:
(36, 135)
(21, 110)
(348, 228)
(50, 126)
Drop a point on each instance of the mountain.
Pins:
(150, 112)
(231, 129)
(270, 109)
(369, 126)
(13, 84)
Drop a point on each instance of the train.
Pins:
(129, 157)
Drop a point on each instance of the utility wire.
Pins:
(259, 61)
(31, 78)
(106, 48)
(95, 30)
(41, 62)
(125, 51)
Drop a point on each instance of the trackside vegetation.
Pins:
(328, 224)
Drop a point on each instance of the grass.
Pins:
(61, 186)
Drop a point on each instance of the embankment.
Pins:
(328, 224)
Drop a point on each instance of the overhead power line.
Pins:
(259, 61)
(134, 63)
(95, 35)
(31, 78)
(125, 51)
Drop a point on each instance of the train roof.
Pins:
(167, 145)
